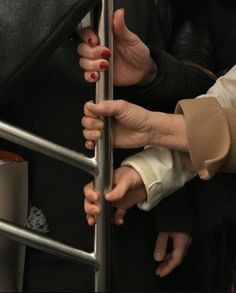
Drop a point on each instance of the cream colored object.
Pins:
(13, 208)
(162, 172)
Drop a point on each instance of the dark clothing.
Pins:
(212, 257)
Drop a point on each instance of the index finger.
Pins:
(87, 112)
(171, 261)
(88, 36)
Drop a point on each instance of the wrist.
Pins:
(169, 130)
(150, 73)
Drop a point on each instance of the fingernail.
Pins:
(103, 65)
(107, 196)
(93, 75)
(106, 54)
(90, 42)
(120, 222)
(158, 256)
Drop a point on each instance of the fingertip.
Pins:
(104, 65)
(89, 145)
(157, 256)
(112, 196)
(93, 76)
(92, 40)
(119, 21)
(108, 197)
(119, 221)
(106, 54)
(91, 221)
(120, 11)
(89, 105)
(116, 194)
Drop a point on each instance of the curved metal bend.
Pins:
(41, 242)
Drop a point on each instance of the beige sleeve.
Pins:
(211, 133)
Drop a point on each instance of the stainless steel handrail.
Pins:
(36, 143)
(104, 156)
(36, 240)
(100, 166)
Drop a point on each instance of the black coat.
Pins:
(211, 263)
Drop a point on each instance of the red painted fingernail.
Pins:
(103, 65)
(93, 75)
(90, 41)
(106, 54)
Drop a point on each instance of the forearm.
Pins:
(169, 131)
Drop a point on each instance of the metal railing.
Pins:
(100, 166)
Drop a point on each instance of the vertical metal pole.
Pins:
(104, 155)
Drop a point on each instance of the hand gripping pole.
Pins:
(100, 166)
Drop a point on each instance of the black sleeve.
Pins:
(187, 59)
(176, 212)
(174, 81)
(31, 30)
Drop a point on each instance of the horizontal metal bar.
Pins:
(35, 240)
(36, 143)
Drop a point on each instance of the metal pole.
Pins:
(100, 166)
(46, 147)
(104, 156)
(33, 239)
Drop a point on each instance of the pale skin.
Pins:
(133, 65)
(132, 61)
(134, 126)
(129, 190)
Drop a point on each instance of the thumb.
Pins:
(161, 246)
(120, 29)
(120, 190)
(105, 108)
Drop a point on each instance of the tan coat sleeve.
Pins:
(211, 134)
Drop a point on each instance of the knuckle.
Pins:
(122, 103)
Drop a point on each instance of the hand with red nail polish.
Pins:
(106, 54)
(103, 65)
(133, 64)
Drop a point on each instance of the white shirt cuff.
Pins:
(162, 172)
